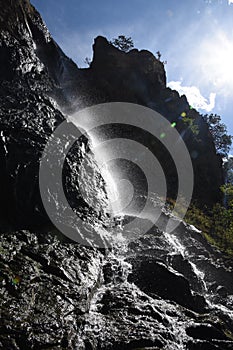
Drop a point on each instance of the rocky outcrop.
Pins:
(159, 291)
(138, 77)
(144, 75)
(35, 73)
(47, 287)
(61, 295)
(33, 69)
(164, 282)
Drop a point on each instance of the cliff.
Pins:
(30, 56)
(138, 77)
(31, 70)
(155, 290)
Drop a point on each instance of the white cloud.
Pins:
(194, 96)
(230, 2)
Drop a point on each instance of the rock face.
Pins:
(138, 77)
(58, 295)
(36, 75)
(160, 291)
(31, 69)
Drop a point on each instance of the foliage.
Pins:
(190, 123)
(218, 131)
(227, 190)
(194, 215)
(123, 43)
(228, 167)
(158, 55)
(222, 227)
(216, 224)
(199, 218)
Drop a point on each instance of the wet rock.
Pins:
(203, 346)
(122, 315)
(29, 115)
(222, 291)
(205, 332)
(113, 272)
(137, 344)
(154, 277)
(45, 290)
(206, 345)
(184, 267)
(57, 294)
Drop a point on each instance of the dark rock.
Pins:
(137, 344)
(113, 272)
(144, 75)
(53, 288)
(28, 116)
(154, 277)
(205, 332)
(138, 77)
(57, 294)
(200, 302)
(203, 346)
(222, 291)
(37, 69)
(184, 267)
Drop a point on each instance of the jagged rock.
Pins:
(184, 267)
(62, 295)
(58, 294)
(35, 69)
(144, 75)
(154, 277)
(46, 286)
(28, 116)
(222, 291)
(138, 77)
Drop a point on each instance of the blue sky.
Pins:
(194, 37)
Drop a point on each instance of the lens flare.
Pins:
(215, 61)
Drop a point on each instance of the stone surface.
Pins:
(159, 291)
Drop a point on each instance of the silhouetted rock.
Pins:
(138, 77)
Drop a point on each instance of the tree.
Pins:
(123, 43)
(218, 131)
(228, 167)
(222, 227)
(87, 61)
(158, 55)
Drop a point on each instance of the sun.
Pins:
(216, 62)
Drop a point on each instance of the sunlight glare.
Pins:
(215, 60)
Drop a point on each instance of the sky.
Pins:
(195, 37)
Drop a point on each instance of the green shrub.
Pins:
(216, 225)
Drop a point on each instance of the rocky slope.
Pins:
(158, 291)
